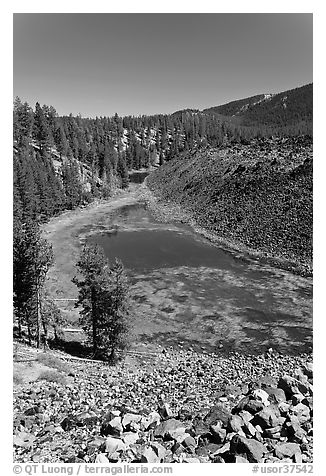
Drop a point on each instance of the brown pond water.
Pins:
(189, 292)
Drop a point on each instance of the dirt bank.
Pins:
(63, 232)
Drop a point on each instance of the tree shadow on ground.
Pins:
(74, 348)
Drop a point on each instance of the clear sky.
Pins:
(99, 64)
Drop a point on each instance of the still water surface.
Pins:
(185, 289)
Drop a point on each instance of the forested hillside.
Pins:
(62, 162)
(289, 111)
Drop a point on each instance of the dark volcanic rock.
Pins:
(200, 427)
(249, 404)
(31, 411)
(295, 432)
(184, 414)
(216, 414)
(218, 433)
(253, 449)
(112, 427)
(253, 406)
(291, 386)
(276, 395)
(68, 423)
(189, 442)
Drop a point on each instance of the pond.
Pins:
(189, 292)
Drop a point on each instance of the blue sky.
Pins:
(99, 64)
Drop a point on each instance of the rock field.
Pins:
(168, 407)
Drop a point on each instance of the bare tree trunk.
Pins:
(29, 333)
(112, 355)
(56, 337)
(19, 327)
(45, 333)
(94, 321)
(38, 319)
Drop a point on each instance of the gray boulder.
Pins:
(246, 416)
(114, 445)
(295, 432)
(149, 455)
(219, 433)
(101, 458)
(235, 423)
(275, 395)
(112, 427)
(166, 428)
(241, 459)
(287, 450)
(129, 419)
(291, 386)
(301, 411)
(254, 406)
(164, 410)
(189, 442)
(150, 421)
(253, 449)
(217, 413)
(268, 417)
(308, 369)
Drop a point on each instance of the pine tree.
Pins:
(42, 133)
(33, 257)
(122, 170)
(71, 183)
(23, 122)
(115, 326)
(61, 142)
(103, 295)
(26, 185)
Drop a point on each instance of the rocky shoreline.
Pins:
(176, 407)
(236, 168)
(167, 211)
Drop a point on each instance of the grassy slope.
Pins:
(258, 195)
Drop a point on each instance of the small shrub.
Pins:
(52, 376)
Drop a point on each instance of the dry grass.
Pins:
(53, 362)
(17, 379)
